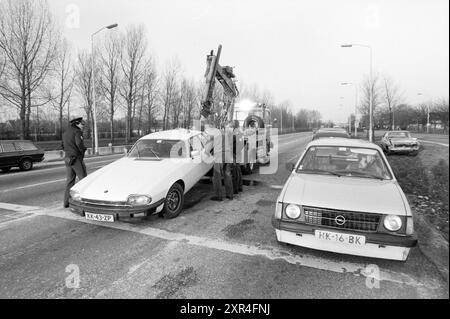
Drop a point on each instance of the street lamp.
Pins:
(356, 101)
(370, 91)
(111, 26)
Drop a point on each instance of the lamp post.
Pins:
(428, 113)
(356, 101)
(111, 26)
(371, 88)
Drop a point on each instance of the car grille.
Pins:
(359, 221)
(104, 202)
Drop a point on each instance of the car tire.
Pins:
(173, 204)
(26, 164)
(6, 169)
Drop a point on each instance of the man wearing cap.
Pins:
(74, 149)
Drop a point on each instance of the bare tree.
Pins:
(83, 85)
(391, 97)
(366, 87)
(28, 41)
(65, 78)
(151, 95)
(169, 90)
(111, 76)
(133, 64)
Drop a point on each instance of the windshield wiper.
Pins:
(362, 174)
(154, 153)
(318, 171)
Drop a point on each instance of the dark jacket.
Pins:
(72, 143)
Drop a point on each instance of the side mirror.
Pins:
(290, 166)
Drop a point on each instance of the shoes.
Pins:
(217, 199)
(66, 205)
(230, 197)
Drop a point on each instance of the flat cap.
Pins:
(77, 120)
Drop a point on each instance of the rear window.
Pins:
(7, 147)
(25, 146)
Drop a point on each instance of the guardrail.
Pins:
(107, 150)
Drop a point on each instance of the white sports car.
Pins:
(153, 178)
(342, 196)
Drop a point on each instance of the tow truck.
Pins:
(254, 118)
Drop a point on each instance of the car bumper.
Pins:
(117, 211)
(406, 149)
(378, 245)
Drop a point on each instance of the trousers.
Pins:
(77, 169)
(222, 170)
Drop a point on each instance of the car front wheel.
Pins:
(26, 164)
(173, 204)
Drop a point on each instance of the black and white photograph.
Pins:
(224, 155)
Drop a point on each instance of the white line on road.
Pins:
(422, 141)
(40, 184)
(18, 208)
(269, 252)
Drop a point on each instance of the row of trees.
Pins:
(41, 79)
(391, 111)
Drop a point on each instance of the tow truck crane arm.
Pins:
(225, 77)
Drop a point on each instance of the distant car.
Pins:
(342, 196)
(154, 176)
(19, 153)
(323, 133)
(399, 142)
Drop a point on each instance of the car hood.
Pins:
(345, 193)
(116, 181)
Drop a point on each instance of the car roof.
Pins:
(347, 142)
(176, 134)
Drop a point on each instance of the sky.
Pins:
(291, 48)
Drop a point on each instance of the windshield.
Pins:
(158, 148)
(344, 161)
(398, 134)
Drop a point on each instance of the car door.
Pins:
(10, 156)
(197, 168)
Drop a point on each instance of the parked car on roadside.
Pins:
(19, 153)
(399, 142)
(154, 176)
(342, 196)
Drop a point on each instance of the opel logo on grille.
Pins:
(340, 220)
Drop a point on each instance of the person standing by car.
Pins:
(237, 154)
(74, 150)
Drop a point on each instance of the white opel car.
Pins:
(153, 178)
(342, 196)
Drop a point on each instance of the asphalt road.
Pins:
(212, 250)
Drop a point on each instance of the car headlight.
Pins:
(392, 222)
(293, 211)
(139, 200)
(75, 195)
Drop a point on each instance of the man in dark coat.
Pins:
(74, 149)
